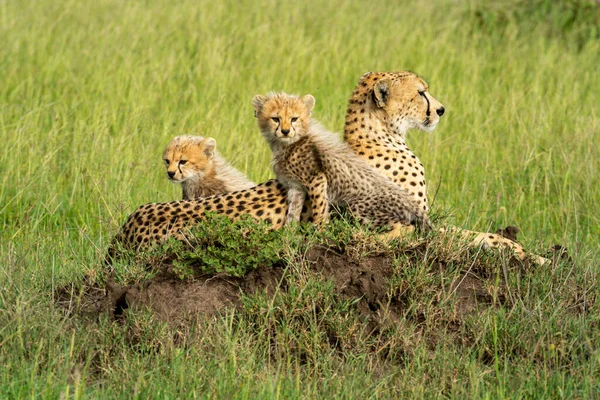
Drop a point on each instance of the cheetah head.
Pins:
(402, 101)
(283, 118)
(189, 157)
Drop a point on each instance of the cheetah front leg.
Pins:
(398, 231)
(492, 240)
(295, 201)
(317, 192)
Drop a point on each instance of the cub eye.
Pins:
(182, 162)
(275, 119)
(294, 119)
(422, 92)
(166, 161)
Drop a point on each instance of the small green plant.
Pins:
(224, 246)
(183, 270)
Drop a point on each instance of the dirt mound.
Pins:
(349, 297)
(167, 296)
(353, 293)
(364, 280)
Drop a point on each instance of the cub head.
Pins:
(402, 100)
(189, 157)
(282, 117)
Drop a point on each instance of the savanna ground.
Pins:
(91, 93)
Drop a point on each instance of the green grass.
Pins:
(92, 91)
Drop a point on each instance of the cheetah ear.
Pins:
(257, 102)
(309, 101)
(381, 93)
(210, 145)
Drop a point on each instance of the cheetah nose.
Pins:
(285, 131)
(171, 173)
(440, 111)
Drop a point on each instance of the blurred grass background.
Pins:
(92, 91)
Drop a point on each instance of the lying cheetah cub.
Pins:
(311, 161)
(194, 162)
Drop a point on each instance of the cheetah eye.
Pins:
(422, 92)
(166, 161)
(182, 162)
(294, 119)
(275, 119)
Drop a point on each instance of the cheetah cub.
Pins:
(309, 160)
(194, 162)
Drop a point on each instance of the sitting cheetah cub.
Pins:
(194, 162)
(311, 161)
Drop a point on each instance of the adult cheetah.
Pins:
(383, 107)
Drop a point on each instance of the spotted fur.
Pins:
(383, 107)
(155, 222)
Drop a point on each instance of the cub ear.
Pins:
(381, 93)
(309, 101)
(210, 145)
(257, 102)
